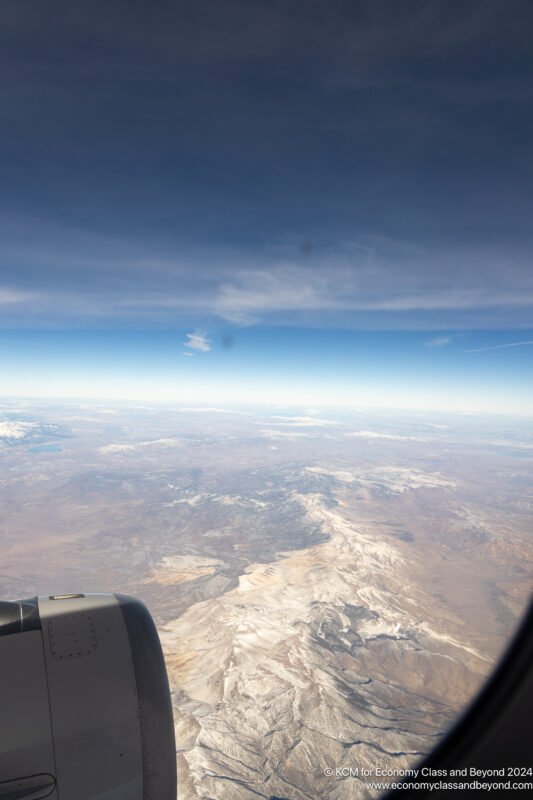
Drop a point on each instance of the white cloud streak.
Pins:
(11, 296)
(198, 341)
(338, 286)
(498, 347)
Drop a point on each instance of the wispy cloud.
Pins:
(368, 282)
(371, 284)
(284, 288)
(438, 341)
(498, 347)
(198, 341)
(8, 296)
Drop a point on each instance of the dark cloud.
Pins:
(141, 139)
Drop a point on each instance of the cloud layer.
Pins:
(246, 163)
(367, 284)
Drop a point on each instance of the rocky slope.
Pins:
(330, 657)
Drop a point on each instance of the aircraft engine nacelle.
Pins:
(85, 710)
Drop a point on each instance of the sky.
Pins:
(268, 201)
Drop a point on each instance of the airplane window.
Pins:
(265, 362)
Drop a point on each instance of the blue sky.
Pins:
(328, 187)
(472, 371)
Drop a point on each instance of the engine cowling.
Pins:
(85, 704)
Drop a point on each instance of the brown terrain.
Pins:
(330, 590)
